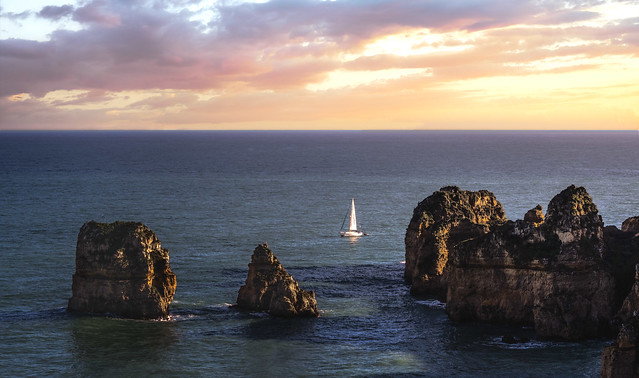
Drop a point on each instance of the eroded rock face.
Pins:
(121, 269)
(551, 275)
(269, 288)
(574, 218)
(630, 306)
(439, 222)
(620, 358)
(535, 215)
(563, 272)
(631, 225)
(623, 255)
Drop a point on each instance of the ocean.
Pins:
(212, 196)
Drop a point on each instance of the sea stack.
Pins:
(269, 288)
(563, 272)
(122, 270)
(439, 222)
(548, 272)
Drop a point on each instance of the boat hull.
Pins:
(351, 233)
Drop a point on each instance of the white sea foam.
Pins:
(434, 303)
(530, 344)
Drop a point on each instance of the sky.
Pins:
(308, 64)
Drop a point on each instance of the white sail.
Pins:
(353, 224)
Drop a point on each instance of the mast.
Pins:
(353, 223)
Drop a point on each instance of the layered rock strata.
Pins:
(563, 272)
(121, 269)
(269, 288)
(439, 222)
(621, 359)
(551, 275)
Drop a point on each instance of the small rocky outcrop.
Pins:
(269, 288)
(439, 222)
(631, 225)
(535, 216)
(121, 269)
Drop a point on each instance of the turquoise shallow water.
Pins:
(211, 197)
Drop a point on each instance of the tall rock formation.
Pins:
(563, 273)
(121, 269)
(551, 275)
(440, 222)
(621, 359)
(269, 288)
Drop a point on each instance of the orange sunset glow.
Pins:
(383, 64)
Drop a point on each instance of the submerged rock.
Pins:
(121, 269)
(269, 288)
(439, 222)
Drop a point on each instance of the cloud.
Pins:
(166, 100)
(83, 98)
(281, 43)
(55, 13)
(564, 17)
(97, 12)
(268, 53)
(16, 16)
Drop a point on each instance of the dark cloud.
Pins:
(16, 49)
(55, 13)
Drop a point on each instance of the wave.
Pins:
(434, 303)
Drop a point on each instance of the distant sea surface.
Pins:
(211, 197)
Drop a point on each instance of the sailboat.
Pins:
(352, 224)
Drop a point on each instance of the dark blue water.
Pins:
(211, 197)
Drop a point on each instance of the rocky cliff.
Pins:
(439, 222)
(563, 272)
(621, 359)
(121, 269)
(269, 288)
(551, 274)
